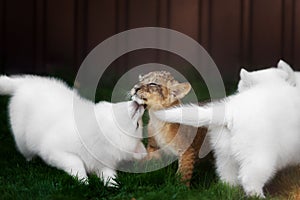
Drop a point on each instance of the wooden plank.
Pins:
(163, 13)
(297, 36)
(101, 21)
(80, 32)
(266, 32)
(20, 50)
(122, 7)
(163, 20)
(104, 19)
(121, 24)
(60, 35)
(184, 17)
(225, 36)
(2, 35)
(40, 36)
(142, 13)
(287, 30)
(245, 32)
(205, 24)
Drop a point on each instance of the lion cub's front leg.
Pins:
(186, 164)
(152, 147)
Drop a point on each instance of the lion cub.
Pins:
(159, 90)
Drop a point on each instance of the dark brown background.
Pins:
(44, 36)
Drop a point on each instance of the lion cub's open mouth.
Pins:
(135, 97)
(136, 110)
(139, 101)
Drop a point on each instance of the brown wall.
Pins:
(42, 36)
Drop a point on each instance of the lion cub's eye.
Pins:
(152, 84)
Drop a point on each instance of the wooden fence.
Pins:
(41, 36)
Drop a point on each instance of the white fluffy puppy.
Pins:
(43, 123)
(253, 133)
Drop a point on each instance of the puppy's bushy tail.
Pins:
(194, 115)
(7, 85)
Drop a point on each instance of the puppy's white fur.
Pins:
(254, 133)
(282, 72)
(43, 124)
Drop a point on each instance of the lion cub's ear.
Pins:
(178, 91)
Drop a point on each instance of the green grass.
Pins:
(35, 180)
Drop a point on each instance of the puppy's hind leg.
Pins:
(254, 173)
(22, 144)
(227, 169)
(226, 163)
(70, 163)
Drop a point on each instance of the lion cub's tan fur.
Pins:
(159, 90)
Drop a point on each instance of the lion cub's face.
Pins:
(159, 90)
